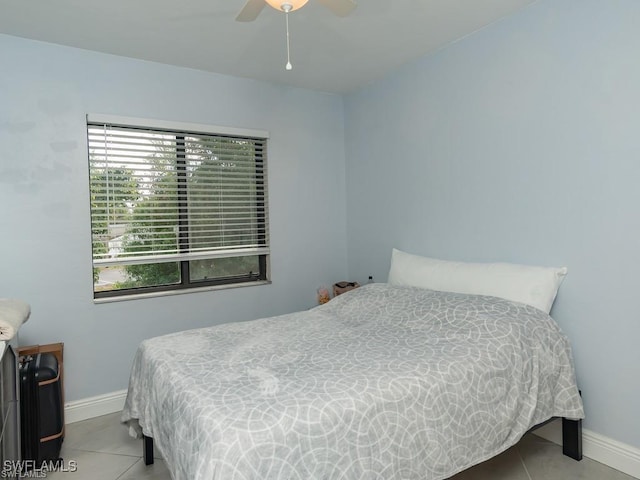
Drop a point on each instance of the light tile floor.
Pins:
(103, 450)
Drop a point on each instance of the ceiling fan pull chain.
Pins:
(288, 66)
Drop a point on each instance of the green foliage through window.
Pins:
(173, 209)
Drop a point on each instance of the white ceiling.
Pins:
(329, 53)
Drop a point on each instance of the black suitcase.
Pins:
(41, 409)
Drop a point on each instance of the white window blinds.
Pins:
(166, 195)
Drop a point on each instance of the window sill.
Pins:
(169, 293)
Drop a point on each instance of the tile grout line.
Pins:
(523, 464)
(124, 473)
(105, 453)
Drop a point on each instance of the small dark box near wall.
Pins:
(342, 287)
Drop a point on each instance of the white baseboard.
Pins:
(94, 406)
(602, 449)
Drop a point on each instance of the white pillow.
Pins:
(535, 286)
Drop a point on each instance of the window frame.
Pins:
(186, 284)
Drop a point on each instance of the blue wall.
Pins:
(519, 143)
(45, 246)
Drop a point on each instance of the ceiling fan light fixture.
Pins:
(287, 5)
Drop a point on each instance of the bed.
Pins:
(383, 382)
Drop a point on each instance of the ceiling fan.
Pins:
(252, 9)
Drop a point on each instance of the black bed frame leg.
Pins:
(572, 438)
(147, 449)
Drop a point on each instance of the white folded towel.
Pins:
(13, 313)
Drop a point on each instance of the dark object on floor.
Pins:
(147, 450)
(41, 408)
(572, 438)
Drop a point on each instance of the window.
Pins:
(175, 206)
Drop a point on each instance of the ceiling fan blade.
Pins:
(342, 8)
(250, 11)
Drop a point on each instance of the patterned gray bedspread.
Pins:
(382, 382)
